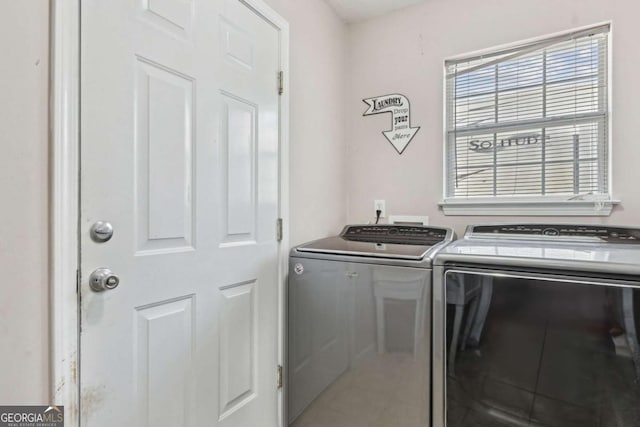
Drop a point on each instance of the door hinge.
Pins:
(279, 230)
(279, 376)
(77, 281)
(280, 82)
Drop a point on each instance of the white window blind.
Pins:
(530, 121)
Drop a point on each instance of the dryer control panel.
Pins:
(568, 232)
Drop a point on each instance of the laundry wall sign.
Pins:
(401, 132)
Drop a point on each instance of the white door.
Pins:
(180, 153)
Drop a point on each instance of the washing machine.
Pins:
(536, 325)
(359, 326)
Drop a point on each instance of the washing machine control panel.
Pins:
(560, 231)
(395, 234)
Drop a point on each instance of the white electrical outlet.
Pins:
(380, 205)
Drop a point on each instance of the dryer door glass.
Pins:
(537, 352)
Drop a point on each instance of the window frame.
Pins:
(536, 205)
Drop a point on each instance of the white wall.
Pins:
(317, 140)
(23, 197)
(404, 52)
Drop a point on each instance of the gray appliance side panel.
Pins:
(438, 381)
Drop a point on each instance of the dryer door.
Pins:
(516, 349)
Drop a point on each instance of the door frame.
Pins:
(64, 248)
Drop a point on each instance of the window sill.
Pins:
(528, 207)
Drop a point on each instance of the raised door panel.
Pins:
(238, 46)
(238, 152)
(164, 160)
(164, 348)
(174, 16)
(237, 347)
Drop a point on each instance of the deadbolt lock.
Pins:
(101, 232)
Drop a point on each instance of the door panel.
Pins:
(164, 169)
(158, 365)
(237, 347)
(237, 131)
(180, 151)
(174, 15)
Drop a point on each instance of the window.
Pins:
(529, 124)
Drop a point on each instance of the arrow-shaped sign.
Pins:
(401, 132)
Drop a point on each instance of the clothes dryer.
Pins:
(536, 324)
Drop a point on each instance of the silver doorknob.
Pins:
(103, 279)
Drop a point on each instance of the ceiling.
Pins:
(359, 10)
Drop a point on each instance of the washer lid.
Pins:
(342, 246)
(381, 241)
